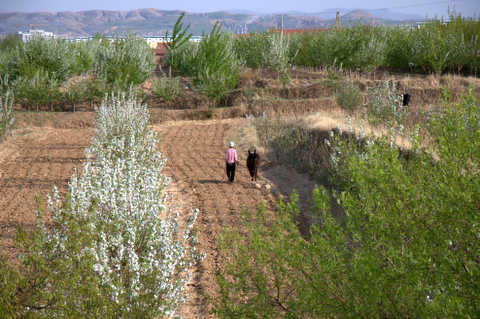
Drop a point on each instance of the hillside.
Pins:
(151, 22)
(142, 21)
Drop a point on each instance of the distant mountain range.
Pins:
(151, 22)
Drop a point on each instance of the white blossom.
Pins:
(119, 199)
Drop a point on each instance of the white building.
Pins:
(27, 36)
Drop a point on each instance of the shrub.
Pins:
(217, 68)
(84, 54)
(349, 97)
(113, 247)
(6, 114)
(41, 89)
(10, 42)
(277, 58)
(407, 245)
(88, 89)
(251, 49)
(125, 61)
(384, 105)
(166, 89)
(185, 61)
(179, 39)
(52, 57)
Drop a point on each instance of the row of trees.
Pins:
(38, 72)
(215, 63)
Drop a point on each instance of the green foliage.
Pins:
(89, 89)
(407, 245)
(278, 56)
(39, 55)
(217, 68)
(6, 112)
(179, 39)
(84, 54)
(435, 47)
(166, 88)
(349, 97)
(125, 61)
(40, 89)
(112, 247)
(359, 47)
(384, 105)
(212, 63)
(251, 49)
(185, 61)
(10, 42)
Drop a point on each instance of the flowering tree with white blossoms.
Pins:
(114, 248)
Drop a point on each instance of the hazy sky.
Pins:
(428, 8)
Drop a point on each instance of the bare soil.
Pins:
(35, 158)
(31, 162)
(44, 148)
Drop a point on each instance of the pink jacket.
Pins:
(231, 156)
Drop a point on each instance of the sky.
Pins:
(424, 8)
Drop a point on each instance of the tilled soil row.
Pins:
(31, 162)
(196, 164)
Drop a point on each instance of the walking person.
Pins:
(231, 160)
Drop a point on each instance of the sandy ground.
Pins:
(34, 159)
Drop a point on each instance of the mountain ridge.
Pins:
(156, 22)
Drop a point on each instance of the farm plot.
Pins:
(31, 162)
(36, 158)
(195, 152)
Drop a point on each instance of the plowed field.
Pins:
(35, 159)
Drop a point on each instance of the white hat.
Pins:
(231, 144)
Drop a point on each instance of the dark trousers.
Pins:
(231, 172)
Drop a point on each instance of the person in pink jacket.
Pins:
(231, 160)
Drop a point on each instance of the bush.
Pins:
(166, 89)
(349, 97)
(84, 54)
(6, 114)
(217, 68)
(277, 58)
(251, 49)
(41, 89)
(125, 61)
(407, 245)
(179, 39)
(113, 248)
(10, 42)
(385, 105)
(88, 89)
(52, 57)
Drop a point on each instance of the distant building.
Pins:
(27, 36)
(154, 42)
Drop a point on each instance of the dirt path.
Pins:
(35, 159)
(196, 164)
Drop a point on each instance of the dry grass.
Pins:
(245, 136)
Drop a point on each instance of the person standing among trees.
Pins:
(231, 159)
